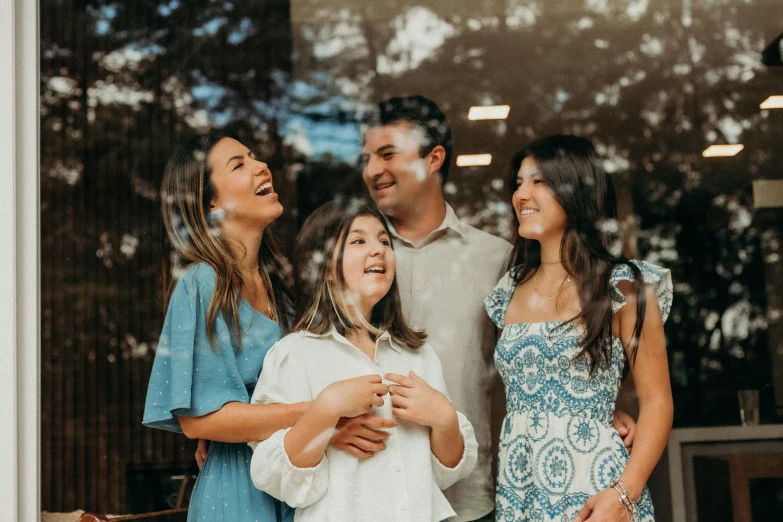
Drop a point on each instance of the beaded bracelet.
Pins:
(625, 499)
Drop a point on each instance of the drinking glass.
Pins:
(749, 407)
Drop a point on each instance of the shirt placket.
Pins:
(397, 479)
(418, 277)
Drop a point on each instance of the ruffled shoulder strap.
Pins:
(497, 301)
(660, 278)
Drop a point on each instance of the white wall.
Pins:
(19, 310)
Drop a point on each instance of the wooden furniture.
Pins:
(723, 484)
(681, 482)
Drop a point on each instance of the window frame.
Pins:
(19, 261)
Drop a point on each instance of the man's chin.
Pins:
(386, 206)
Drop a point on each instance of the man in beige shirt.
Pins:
(445, 269)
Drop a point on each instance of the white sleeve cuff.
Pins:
(272, 472)
(445, 476)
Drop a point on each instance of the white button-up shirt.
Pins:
(401, 483)
(443, 281)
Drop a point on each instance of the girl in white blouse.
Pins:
(352, 353)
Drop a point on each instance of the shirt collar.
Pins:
(450, 222)
(337, 336)
(386, 336)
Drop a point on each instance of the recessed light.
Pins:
(489, 112)
(773, 102)
(474, 160)
(714, 151)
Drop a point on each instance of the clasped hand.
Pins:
(362, 436)
(352, 397)
(416, 401)
(412, 399)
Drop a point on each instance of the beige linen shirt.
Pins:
(443, 282)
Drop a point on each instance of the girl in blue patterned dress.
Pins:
(574, 318)
(222, 317)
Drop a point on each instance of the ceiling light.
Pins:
(489, 112)
(474, 160)
(714, 151)
(773, 102)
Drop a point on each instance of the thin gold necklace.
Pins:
(557, 290)
(269, 310)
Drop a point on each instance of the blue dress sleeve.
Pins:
(189, 376)
(660, 279)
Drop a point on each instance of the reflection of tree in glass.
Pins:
(121, 84)
(652, 84)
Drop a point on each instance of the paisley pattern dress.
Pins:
(557, 445)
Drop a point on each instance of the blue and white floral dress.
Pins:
(557, 445)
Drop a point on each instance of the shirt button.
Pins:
(403, 507)
(398, 468)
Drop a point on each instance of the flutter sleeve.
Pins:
(445, 476)
(497, 301)
(284, 380)
(190, 377)
(660, 278)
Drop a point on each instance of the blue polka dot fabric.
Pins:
(191, 377)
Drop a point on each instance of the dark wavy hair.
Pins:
(185, 194)
(318, 254)
(571, 168)
(425, 115)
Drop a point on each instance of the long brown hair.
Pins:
(185, 195)
(319, 254)
(570, 166)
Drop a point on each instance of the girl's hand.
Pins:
(604, 506)
(416, 401)
(352, 397)
(201, 452)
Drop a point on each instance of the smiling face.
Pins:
(540, 214)
(397, 177)
(244, 195)
(368, 263)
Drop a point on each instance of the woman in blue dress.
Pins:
(223, 314)
(574, 318)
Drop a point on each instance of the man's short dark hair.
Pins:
(423, 114)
